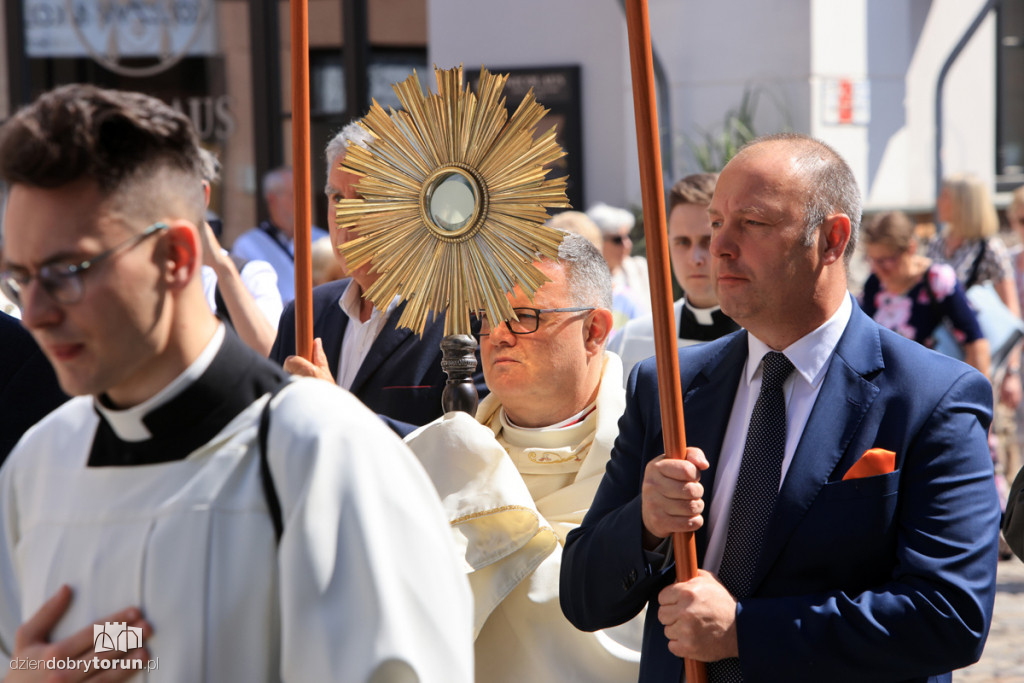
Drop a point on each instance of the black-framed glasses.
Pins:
(63, 281)
(529, 319)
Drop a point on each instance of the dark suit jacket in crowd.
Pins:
(401, 377)
(888, 577)
(28, 387)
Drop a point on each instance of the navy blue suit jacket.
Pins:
(401, 377)
(884, 578)
(28, 386)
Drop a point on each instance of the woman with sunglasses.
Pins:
(912, 295)
(630, 284)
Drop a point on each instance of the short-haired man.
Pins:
(396, 373)
(515, 486)
(273, 240)
(852, 527)
(297, 541)
(698, 316)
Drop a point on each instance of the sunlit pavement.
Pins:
(1003, 659)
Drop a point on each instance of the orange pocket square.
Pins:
(875, 461)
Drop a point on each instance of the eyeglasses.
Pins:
(63, 281)
(618, 239)
(884, 261)
(529, 319)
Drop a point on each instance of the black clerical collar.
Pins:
(235, 378)
(704, 324)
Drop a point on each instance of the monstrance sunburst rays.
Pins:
(452, 144)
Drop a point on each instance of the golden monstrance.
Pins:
(454, 196)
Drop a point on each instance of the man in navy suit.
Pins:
(875, 559)
(390, 369)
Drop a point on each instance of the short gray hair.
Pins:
(586, 272)
(277, 180)
(611, 219)
(352, 134)
(833, 187)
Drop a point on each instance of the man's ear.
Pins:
(597, 329)
(835, 232)
(183, 254)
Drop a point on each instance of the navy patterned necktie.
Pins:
(757, 487)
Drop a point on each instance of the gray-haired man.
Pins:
(358, 346)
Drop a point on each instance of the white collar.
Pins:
(809, 354)
(570, 433)
(567, 422)
(704, 316)
(128, 425)
(351, 303)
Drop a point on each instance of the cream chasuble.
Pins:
(510, 511)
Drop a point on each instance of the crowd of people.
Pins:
(258, 515)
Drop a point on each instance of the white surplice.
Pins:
(364, 581)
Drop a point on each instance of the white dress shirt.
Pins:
(359, 336)
(810, 357)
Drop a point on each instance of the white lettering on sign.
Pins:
(113, 31)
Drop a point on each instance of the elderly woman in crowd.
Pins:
(630, 284)
(912, 295)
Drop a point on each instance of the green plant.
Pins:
(712, 149)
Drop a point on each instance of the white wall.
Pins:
(968, 142)
(786, 50)
(839, 37)
(714, 51)
(521, 33)
(909, 42)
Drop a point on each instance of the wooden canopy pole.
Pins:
(665, 345)
(302, 181)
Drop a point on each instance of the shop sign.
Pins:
(113, 31)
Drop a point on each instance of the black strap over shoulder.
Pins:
(218, 299)
(273, 233)
(972, 278)
(269, 491)
(931, 294)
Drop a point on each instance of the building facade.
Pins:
(225, 63)
(861, 74)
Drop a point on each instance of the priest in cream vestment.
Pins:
(515, 481)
